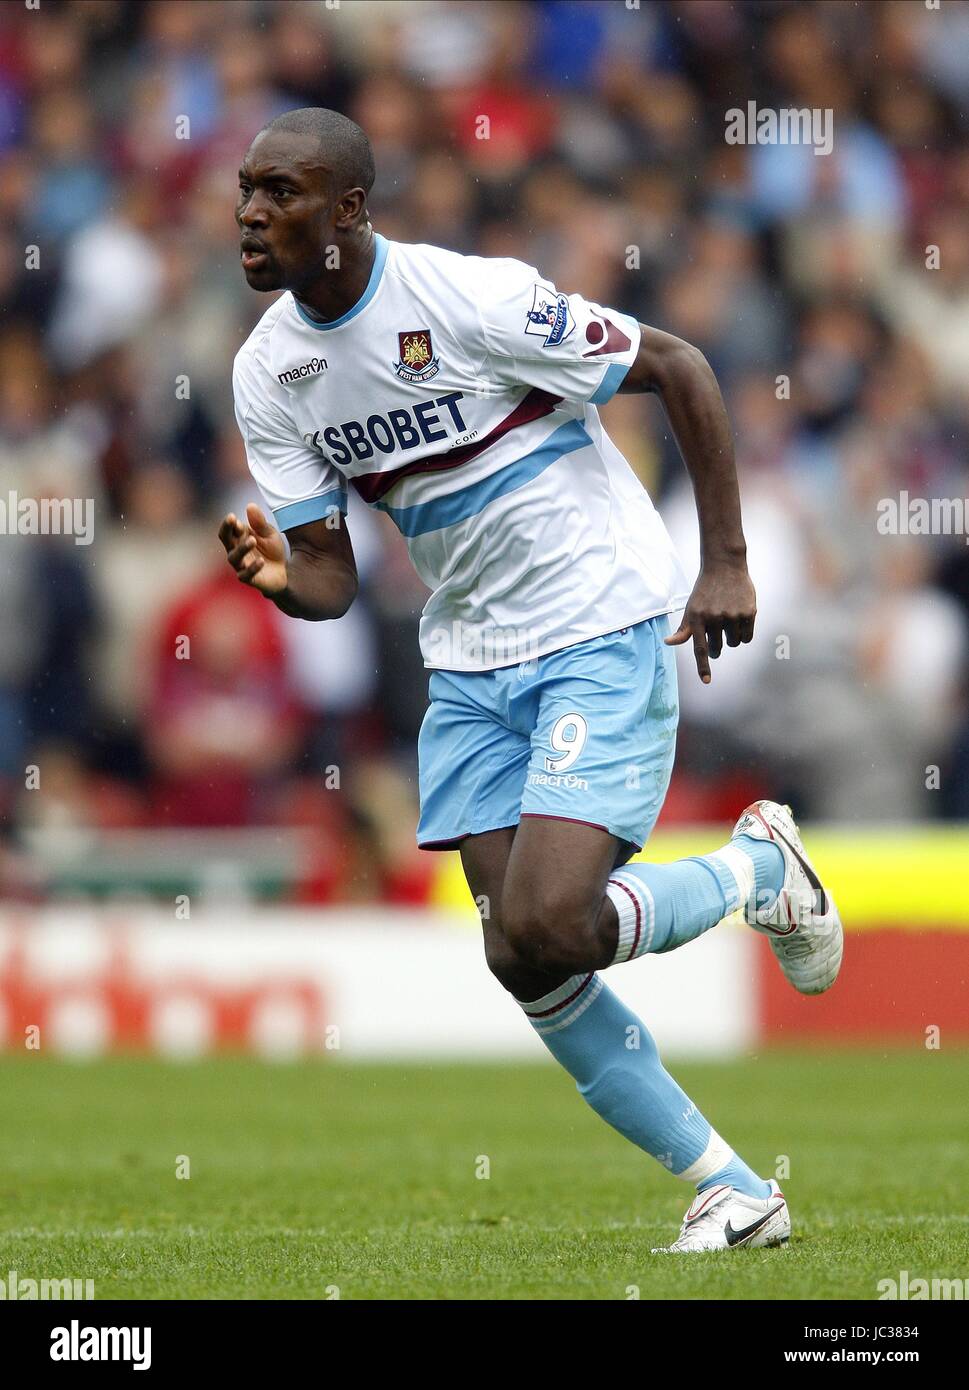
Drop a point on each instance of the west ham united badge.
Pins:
(417, 361)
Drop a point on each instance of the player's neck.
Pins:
(335, 293)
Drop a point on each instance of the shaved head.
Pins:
(343, 147)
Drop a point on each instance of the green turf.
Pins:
(316, 1175)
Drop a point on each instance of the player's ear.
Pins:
(349, 209)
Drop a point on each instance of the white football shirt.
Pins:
(459, 396)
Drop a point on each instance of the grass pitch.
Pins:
(315, 1177)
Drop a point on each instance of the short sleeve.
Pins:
(296, 481)
(560, 342)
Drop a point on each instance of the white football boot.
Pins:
(721, 1218)
(803, 924)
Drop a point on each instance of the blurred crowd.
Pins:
(841, 341)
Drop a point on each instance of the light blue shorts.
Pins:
(586, 734)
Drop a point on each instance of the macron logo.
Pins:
(311, 368)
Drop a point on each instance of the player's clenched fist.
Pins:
(255, 550)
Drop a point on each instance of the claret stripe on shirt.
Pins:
(373, 486)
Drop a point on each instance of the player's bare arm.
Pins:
(318, 581)
(723, 603)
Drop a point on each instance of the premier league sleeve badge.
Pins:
(549, 317)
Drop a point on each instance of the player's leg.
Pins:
(617, 1068)
(602, 756)
(563, 917)
(597, 1038)
(485, 861)
(472, 762)
(569, 909)
(607, 710)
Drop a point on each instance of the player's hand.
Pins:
(722, 604)
(255, 550)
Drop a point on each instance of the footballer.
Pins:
(459, 395)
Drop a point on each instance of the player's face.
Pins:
(284, 212)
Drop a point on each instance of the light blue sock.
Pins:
(617, 1068)
(768, 867)
(662, 906)
(738, 1175)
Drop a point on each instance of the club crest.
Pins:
(416, 361)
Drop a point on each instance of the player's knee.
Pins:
(547, 936)
(501, 958)
(514, 972)
(520, 978)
